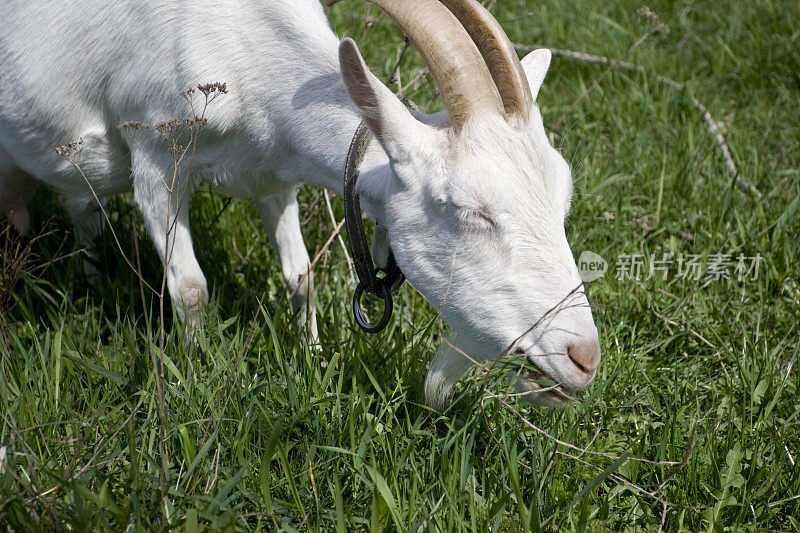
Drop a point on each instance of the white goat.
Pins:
(472, 207)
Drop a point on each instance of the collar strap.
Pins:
(362, 258)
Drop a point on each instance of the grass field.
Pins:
(693, 420)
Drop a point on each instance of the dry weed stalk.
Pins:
(324, 250)
(656, 27)
(181, 137)
(20, 261)
(337, 228)
(708, 119)
(486, 371)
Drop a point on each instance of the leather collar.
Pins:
(369, 280)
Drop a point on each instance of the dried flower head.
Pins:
(133, 125)
(646, 13)
(196, 122)
(69, 150)
(167, 128)
(210, 88)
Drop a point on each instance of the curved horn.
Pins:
(498, 52)
(454, 60)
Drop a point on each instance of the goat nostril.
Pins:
(576, 360)
(586, 356)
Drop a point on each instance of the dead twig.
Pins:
(348, 259)
(711, 124)
(582, 451)
(317, 257)
(690, 330)
(106, 440)
(67, 152)
(602, 76)
(689, 452)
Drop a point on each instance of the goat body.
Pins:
(77, 69)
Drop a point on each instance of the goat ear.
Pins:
(535, 66)
(384, 113)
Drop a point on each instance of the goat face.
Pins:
(475, 218)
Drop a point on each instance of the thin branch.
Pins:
(689, 451)
(711, 124)
(106, 440)
(337, 230)
(347, 257)
(108, 220)
(605, 73)
(609, 456)
(690, 330)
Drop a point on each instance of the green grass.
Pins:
(692, 421)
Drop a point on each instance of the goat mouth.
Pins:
(541, 388)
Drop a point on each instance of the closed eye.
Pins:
(468, 214)
(476, 217)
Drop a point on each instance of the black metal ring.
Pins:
(386, 294)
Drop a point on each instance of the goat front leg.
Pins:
(280, 215)
(164, 204)
(89, 221)
(448, 366)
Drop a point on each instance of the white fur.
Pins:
(475, 218)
